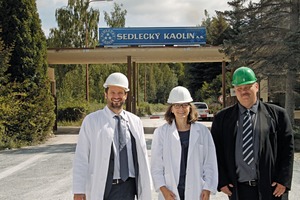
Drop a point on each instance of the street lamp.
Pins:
(86, 46)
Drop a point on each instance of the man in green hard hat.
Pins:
(254, 144)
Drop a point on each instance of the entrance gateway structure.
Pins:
(142, 45)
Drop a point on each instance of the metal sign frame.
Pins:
(152, 36)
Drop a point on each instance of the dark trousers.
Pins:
(123, 191)
(247, 192)
(181, 193)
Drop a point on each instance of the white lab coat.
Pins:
(201, 170)
(93, 152)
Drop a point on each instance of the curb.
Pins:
(75, 130)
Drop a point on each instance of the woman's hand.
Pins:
(168, 194)
(205, 195)
(226, 189)
(79, 197)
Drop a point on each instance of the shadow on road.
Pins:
(47, 149)
(67, 130)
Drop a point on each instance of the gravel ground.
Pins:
(44, 172)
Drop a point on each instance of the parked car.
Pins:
(203, 111)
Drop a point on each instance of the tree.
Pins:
(77, 28)
(5, 55)
(21, 28)
(265, 36)
(235, 19)
(198, 73)
(216, 28)
(206, 22)
(165, 80)
(160, 79)
(179, 70)
(210, 92)
(151, 84)
(116, 19)
(26, 102)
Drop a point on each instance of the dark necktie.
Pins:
(248, 153)
(124, 171)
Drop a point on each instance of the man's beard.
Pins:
(117, 105)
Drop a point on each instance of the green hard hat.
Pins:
(243, 76)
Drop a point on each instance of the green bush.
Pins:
(94, 106)
(73, 112)
(70, 113)
(145, 109)
(158, 107)
(27, 113)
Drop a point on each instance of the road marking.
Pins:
(11, 170)
(56, 140)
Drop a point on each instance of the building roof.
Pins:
(152, 54)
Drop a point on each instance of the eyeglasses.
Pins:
(244, 87)
(183, 105)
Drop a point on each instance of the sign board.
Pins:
(220, 99)
(152, 36)
(232, 92)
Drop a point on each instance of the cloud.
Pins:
(168, 12)
(46, 10)
(142, 13)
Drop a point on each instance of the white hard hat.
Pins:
(117, 79)
(180, 94)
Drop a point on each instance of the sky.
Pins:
(142, 13)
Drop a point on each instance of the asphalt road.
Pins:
(44, 172)
(38, 173)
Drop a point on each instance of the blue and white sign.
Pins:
(152, 36)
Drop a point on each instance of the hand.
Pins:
(226, 189)
(205, 195)
(79, 197)
(168, 194)
(279, 190)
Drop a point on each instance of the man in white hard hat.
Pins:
(111, 156)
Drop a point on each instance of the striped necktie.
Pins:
(248, 153)
(124, 170)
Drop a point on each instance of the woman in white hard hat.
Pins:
(183, 158)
